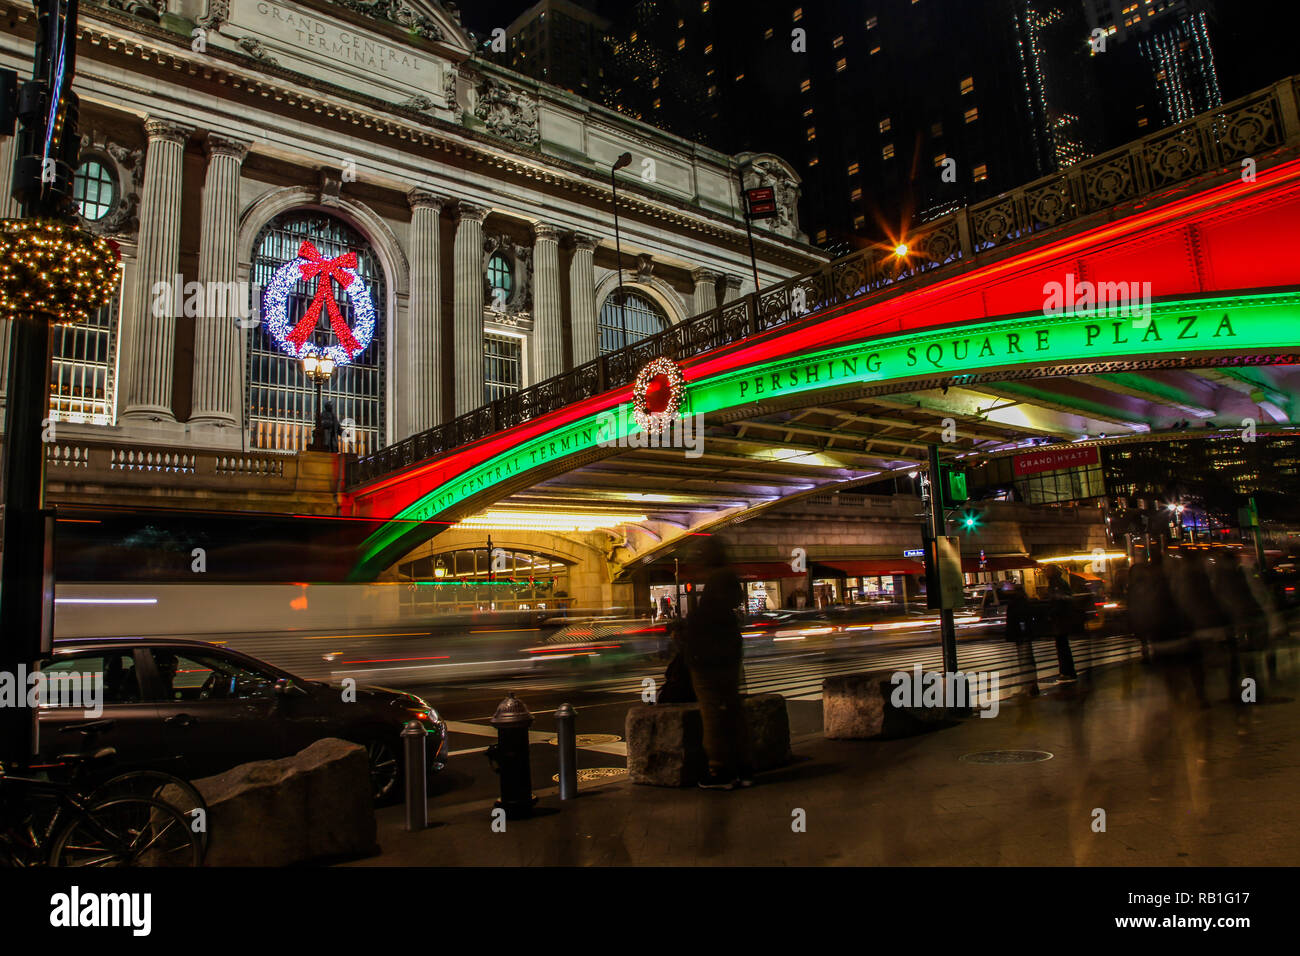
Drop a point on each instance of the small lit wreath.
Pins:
(657, 395)
(54, 270)
(295, 339)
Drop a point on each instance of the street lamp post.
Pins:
(318, 370)
(620, 163)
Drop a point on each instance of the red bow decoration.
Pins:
(324, 271)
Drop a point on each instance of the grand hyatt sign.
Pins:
(1176, 329)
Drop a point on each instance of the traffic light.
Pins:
(952, 484)
(970, 521)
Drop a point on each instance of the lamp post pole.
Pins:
(620, 163)
(42, 179)
(318, 371)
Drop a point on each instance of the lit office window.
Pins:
(812, 133)
(968, 85)
(805, 86)
(798, 14)
(981, 172)
(887, 152)
(855, 195)
(837, 43)
(872, 22)
(972, 114)
(841, 65)
(853, 169)
(886, 125)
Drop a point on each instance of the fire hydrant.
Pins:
(509, 758)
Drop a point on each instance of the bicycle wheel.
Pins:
(153, 784)
(131, 831)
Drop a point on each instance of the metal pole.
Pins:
(414, 742)
(566, 730)
(939, 529)
(22, 578)
(749, 232)
(624, 160)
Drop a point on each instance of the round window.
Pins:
(499, 277)
(93, 190)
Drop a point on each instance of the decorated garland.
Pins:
(657, 395)
(295, 340)
(54, 270)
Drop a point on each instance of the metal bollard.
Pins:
(414, 740)
(509, 758)
(565, 722)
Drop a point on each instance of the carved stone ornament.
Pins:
(144, 9)
(218, 13)
(254, 48)
(521, 271)
(127, 166)
(449, 92)
(645, 266)
(396, 11)
(418, 102)
(507, 112)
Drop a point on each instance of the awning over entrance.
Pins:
(867, 567)
(970, 563)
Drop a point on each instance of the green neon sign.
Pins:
(1213, 325)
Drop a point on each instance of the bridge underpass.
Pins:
(1144, 305)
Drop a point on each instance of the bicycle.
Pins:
(86, 830)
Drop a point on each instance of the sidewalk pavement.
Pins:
(1179, 784)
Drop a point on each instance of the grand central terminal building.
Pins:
(219, 135)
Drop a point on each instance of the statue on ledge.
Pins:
(326, 435)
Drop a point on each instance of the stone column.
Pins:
(582, 298)
(706, 291)
(731, 290)
(9, 209)
(152, 338)
(548, 331)
(419, 340)
(217, 338)
(467, 313)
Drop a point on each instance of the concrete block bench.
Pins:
(858, 707)
(315, 805)
(665, 742)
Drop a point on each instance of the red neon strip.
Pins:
(414, 484)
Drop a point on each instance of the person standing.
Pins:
(1062, 617)
(714, 651)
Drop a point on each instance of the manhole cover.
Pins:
(1006, 756)
(595, 773)
(586, 740)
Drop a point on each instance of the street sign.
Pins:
(761, 202)
(914, 553)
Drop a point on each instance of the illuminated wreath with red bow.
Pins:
(296, 339)
(657, 395)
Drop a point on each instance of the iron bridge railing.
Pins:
(1241, 130)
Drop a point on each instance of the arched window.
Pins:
(470, 579)
(638, 318)
(93, 190)
(499, 277)
(281, 401)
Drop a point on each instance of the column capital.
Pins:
(217, 144)
(167, 131)
(732, 282)
(423, 199)
(545, 232)
(704, 275)
(584, 242)
(472, 211)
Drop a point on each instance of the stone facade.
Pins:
(212, 117)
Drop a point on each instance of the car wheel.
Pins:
(385, 769)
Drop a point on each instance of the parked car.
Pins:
(197, 709)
